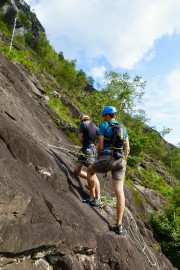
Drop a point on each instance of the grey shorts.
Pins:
(108, 163)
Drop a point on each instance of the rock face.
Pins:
(26, 20)
(43, 222)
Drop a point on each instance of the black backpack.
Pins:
(118, 139)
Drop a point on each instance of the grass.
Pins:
(111, 201)
(4, 28)
(153, 180)
(60, 109)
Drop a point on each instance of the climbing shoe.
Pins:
(118, 229)
(95, 202)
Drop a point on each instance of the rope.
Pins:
(111, 201)
(57, 149)
(65, 156)
(138, 239)
(64, 149)
(133, 229)
(70, 145)
(74, 153)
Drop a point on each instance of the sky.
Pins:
(134, 36)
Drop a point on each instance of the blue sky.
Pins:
(134, 36)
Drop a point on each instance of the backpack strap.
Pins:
(117, 133)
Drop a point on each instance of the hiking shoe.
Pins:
(118, 229)
(95, 202)
(92, 202)
(86, 201)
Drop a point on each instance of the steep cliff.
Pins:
(26, 23)
(43, 222)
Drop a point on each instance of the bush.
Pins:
(151, 179)
(134, 161)
(167, 228)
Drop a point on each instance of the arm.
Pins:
(100, 144)
(80, 137)
(127, 148)
(81, 132)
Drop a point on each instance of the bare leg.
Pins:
(93, 183)
(96, 189)
(120, 204)
(83, 174)
(79, 172)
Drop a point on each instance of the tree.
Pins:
(123, 91)
(90, 81)
(165, 131)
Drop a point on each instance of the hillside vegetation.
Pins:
(149, 151)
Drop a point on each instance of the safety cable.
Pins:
(63, 155)
(62, 148)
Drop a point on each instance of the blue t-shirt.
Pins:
(106, 130)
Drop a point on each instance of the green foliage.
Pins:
(167, 227)
(18, 56)
(134, 161)
(22, 18)
(60, 109)
(4, 28)
(172, 160)
(30, 40)
(72, 136)
(110, 201)
(137, 198)
(90, 80)
(124, 91)
(165, 131)
(151, 179)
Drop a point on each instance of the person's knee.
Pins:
(119, 187)
(91, 173)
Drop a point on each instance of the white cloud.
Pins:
(122, 31)
(161, 103)
(98, 73)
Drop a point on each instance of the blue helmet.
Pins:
(109, 110)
